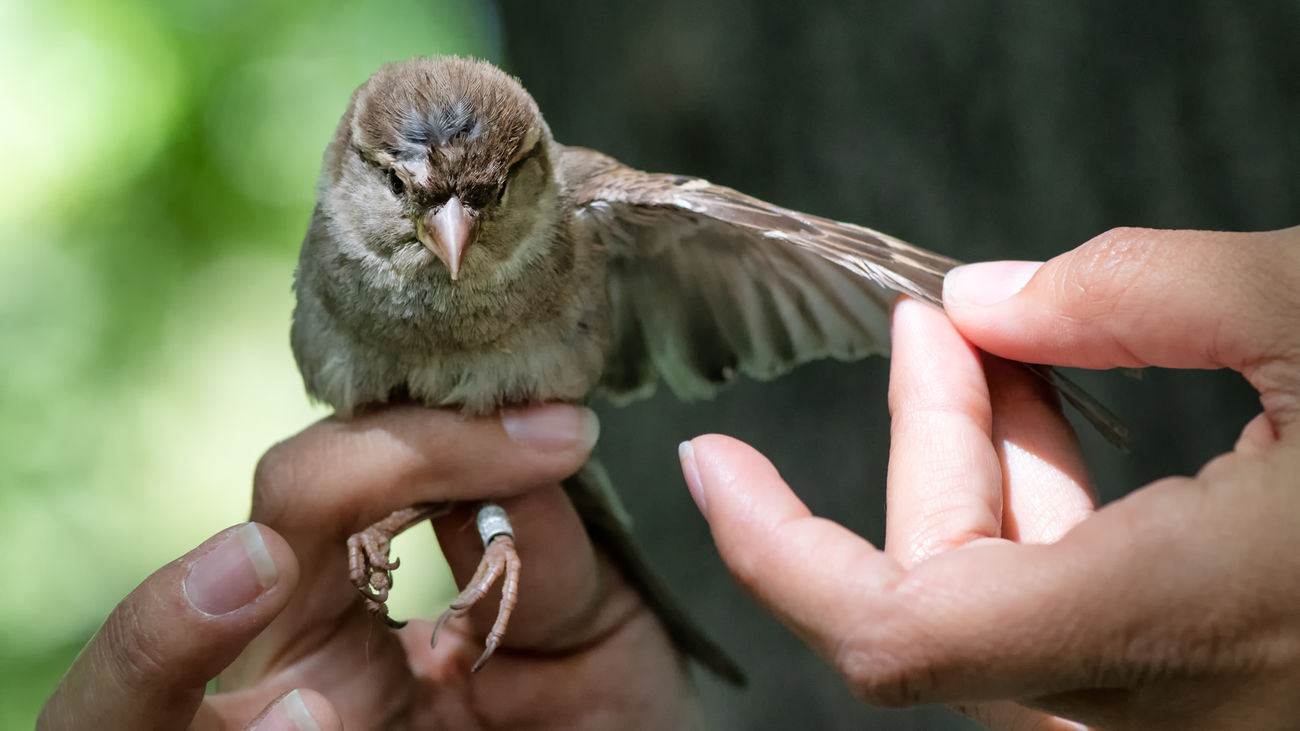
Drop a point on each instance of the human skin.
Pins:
(1171, 608)
(299, 623)
(1000, 588)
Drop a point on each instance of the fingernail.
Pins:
(231, 575)
(552, 428)
(290, 713)
(987, 283)
(686, 453)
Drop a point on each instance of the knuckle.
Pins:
(751, 562)
(137, 659)
(1229, 470)
(273, 478)
(958, 519)
(882, 678)
(271, 467)
(1104, 269)
(882, 665)
(1274, 285)
(746, 567)
(1221, 466)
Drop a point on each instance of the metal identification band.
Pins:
(492, 522)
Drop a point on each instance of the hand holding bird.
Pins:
(459, 256)
(267, 604)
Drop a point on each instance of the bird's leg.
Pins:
(368, 564)
(499, 557)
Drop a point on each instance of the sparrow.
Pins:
(458, 256)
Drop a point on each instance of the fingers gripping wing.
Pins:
(705, 282)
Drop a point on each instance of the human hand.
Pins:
(1175, 607)
(298, 623)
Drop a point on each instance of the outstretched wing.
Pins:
(705, 281)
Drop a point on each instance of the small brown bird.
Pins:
(459, 256)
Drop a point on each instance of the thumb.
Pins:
(147, 667)
(1142, 297)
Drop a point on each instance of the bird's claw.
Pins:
(500, 558)
(369, 567)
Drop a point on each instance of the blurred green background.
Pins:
(158, 164)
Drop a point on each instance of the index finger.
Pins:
(337, 477)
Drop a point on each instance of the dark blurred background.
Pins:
(159, 162)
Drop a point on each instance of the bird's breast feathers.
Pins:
(535, 367)
(438, 343)
(545, 361)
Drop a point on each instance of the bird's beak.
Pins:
(445, 231)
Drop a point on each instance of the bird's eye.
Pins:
(395, 183)
(480, 196)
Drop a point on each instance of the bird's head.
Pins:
(442, 160)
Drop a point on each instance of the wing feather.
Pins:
(706, 281)
(698, 299)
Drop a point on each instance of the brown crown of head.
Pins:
(455, 124)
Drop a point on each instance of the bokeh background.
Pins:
(157, 162)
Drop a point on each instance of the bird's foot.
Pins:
(368, 565)
(499, 557)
